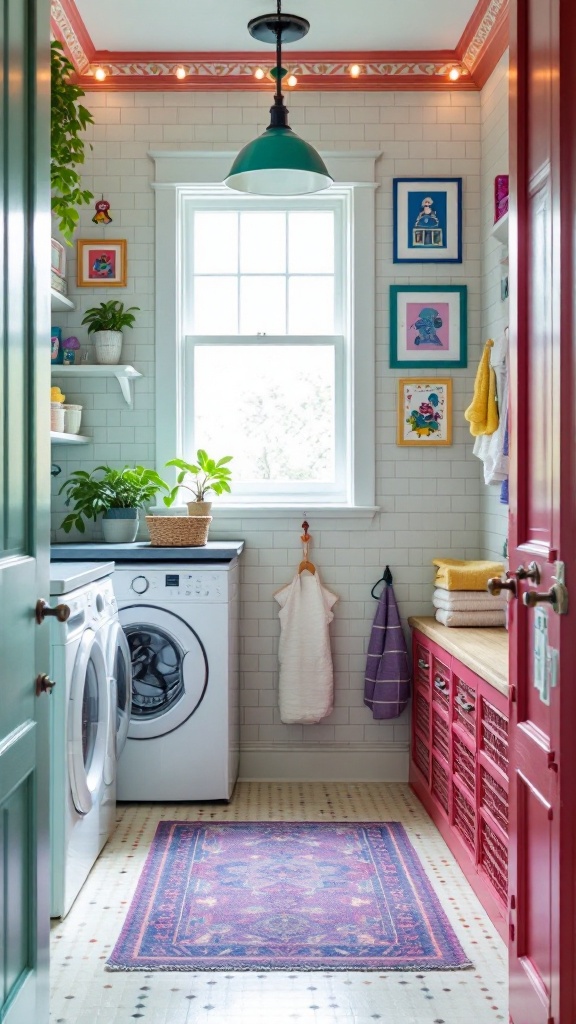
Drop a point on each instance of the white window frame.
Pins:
(186, 178)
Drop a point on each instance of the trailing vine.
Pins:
(68, 119)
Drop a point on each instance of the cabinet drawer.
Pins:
(465, 819)
(494, 859)
(464, 764)
(441, 684)
(440, 783)
(440, 735)
(494, 798)
(422, 713)
(494, 735)
(464, 706)
(421, 757)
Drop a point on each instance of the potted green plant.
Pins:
(67, 122)
(105, 322)
(116, 494)
(204, 476)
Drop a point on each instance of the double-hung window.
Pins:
(268, 360)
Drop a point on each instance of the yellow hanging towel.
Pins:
(455, 574)
(482, 413)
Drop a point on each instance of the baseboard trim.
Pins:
(324, 763)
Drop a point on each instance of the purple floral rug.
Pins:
(284, 896)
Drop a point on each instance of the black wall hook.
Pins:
(386, 578)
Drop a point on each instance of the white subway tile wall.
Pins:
(494, 109)
(430, 500)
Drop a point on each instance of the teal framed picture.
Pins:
(428, 326)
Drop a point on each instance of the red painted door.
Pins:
(543, 512)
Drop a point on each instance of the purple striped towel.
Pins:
(387, 679)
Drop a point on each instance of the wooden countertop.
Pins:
(484, 651)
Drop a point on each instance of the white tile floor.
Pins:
(83, 992)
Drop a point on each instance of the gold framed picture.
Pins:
(424, 414)
(102, 264)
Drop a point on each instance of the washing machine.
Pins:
(181, 624)
(83, 716)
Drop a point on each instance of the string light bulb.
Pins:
(259, 74)
(355, 70)
(291, 81)
(454, 74)
(100, 74)
(180, 72)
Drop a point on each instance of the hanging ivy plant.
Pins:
(68, 119)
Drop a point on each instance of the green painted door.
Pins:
(24, 509)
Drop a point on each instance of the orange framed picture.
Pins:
(102, 264)
(424, 411)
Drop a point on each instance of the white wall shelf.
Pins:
(57, 437)
(500, 230)
(60, 303)
(124, 375)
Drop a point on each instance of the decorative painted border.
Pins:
(481, 46)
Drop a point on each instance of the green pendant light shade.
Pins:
(278, 162)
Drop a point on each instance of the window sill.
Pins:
(278, 511)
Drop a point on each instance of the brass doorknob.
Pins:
(496, 585)
(60, 611)
(44, 684)
(557, 596)
(531, 573)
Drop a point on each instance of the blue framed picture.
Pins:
(427, 220)
(428, 326)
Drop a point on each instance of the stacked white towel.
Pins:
(469, 608)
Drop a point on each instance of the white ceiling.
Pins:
(183, 26)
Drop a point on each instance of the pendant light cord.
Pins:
(279, 97)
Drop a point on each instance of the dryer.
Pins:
(181, 624)
(82, 713)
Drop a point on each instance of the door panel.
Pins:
(24, 508)
(542, 511)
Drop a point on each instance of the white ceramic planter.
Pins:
(120, 525)
(108, 346)
(72, 418)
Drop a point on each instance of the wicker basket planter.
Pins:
(178, 531)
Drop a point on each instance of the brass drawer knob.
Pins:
(61, 612)
(44, 684)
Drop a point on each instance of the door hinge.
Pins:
(512, 932)
(512, 694)
(512, 902)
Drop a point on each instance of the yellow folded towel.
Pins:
(482, 413)
(454, 574)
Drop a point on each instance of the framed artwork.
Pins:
(102, 264)
(427, 220)
(424, 411)
(428, 326)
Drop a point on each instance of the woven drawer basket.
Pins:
(178, 531)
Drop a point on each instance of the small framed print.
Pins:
(424, 411)
(102, 264)
(428, 326)
(427, 220)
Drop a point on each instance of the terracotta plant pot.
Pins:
(199, 508)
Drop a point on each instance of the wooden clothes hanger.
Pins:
(305, 538)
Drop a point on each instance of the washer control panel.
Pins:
(174, 583)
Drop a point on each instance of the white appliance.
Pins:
(83, 729)
(181, 623)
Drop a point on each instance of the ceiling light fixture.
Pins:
(454, 74)
(180, 72)
(259, 73)
(278, 162)
(100, 74)
(355, 70)
(291, 81)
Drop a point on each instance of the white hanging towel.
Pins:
(306, 673)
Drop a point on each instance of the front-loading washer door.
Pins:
(88, 723)
(120, 667)
(169, 669)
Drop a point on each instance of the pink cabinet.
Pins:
(459, 768)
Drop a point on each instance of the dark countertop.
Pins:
(142, 551)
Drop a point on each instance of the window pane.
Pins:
(216, 305)
(311, 242)
(263, 243)
(271, 407)
(311, 305)
(215, 242)
(262, 305)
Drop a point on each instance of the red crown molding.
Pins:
(479, 50)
